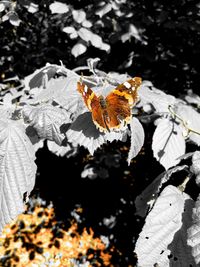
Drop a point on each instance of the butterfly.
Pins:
(113, 111)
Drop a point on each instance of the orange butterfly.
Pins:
(114, 110)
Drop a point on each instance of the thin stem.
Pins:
(182, 186)
(183, 122)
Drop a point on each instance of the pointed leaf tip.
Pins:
(137, 138)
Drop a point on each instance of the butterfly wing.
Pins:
(93, 104)
(118, 111)
(120, 101)
(129, 90)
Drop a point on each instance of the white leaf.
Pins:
(196, 166)
(14, 19)
(87, 24)
(54, 88)
(85, 34)
(36, 79)
(2, 7)
(147, 198)
(78, 49)
(71, 31)
(137, 138)
(105, 47)
(83, 132)
(32, 8)
(156, 97)
(194, 232)
(47, 121)
(58, 8)
(103, 10)
(34, 138)
(4, 18)
(6, 111)
(192, 119)
(17, 169)
(68, 96)
(132, 32)
(92, 63)
(95, 39)
(168, 143)
(192, 98)
(61, 151)
(162, 223)
(181, 252)
(79, 15)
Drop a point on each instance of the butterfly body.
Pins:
(113, 111)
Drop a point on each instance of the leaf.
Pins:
(137, 139)
(194, 232)
(47, 120)
(67, 96)
(92, 63)
(160, 100)
(40, 76)
(56, 90)
(14, 19)
(87, 24)
(103, 10)
(161, 224)
(83, 132)
(93, 172)
(132, 32)
(79, 15)
(58, 8)
(168, 143)
(95, 39)
(148, 197)
(196, 166)
(17, 169)
(32, 8)
(78, 49)
(85, 34)
(71, 31)
(61, 151)
(34, 138)
(192, 98)
(192, 119)
(181, 252)
(2, 7)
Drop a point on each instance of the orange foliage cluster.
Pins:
(35, 239)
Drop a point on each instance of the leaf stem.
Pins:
(183, 122)
(182, 186)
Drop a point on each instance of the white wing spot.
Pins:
(127, 85)
(85, 88)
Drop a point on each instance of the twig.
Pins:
(182, 186)
(183, 122)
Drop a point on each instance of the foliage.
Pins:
(49, 243)
(154, 40)
(49, 107)
(150, 34)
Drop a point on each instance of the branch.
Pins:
(183, 122)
